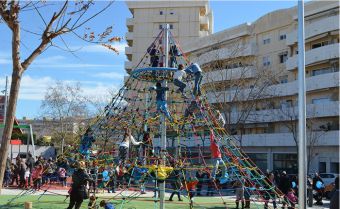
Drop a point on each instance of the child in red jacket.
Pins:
(216, 155)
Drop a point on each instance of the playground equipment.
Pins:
(193, 125)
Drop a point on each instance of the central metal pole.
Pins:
(302, 107)
(163, 122)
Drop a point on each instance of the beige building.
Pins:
(188, 20)
(251, 76)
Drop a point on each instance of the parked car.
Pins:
(328, 178)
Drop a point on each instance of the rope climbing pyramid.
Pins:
(164, 136)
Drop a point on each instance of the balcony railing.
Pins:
(128, 65)
(316, 28)
(226, 53)
(129, 36)
(329, 138)
(315, 55)
(313, 83)
(328, 109)
(229, 74)
(129, 21)
(128, 50)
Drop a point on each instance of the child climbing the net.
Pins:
(125, 145)
(179, 75)
(195, 70)
(160, 99)
(216, 155)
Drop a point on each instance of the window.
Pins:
(287, 103)
(266, 41)
(283, 57)
(320, 100)
(171, 12)
(283, 79)
(260, 159)
(266, 61)
(161, 12)
(322, 167)
(285, 162)
(335, 167)
(317, 45)
(321, 71)
(283, 37)
(171, 26)
(160, 27)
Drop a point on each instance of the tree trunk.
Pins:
(6, 137)
(13, 97)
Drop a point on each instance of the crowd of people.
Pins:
(31, 173)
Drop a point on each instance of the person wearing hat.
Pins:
(106, 205)
(78, 189)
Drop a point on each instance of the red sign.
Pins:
(16, 141)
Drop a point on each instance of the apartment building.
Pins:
(47, 126)
(251, 76)
(188, 20)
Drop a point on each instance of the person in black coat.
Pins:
(334, 204)
(319, 190)
(284, 185)
(78, 190)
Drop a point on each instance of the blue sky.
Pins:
(96, 68)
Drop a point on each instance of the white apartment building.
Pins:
(251, 75)
(188, 20)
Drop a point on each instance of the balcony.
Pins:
(316, 28)
(203, 10)
(330, 138)
(229, 74)
(128, 65)
(203, 33)
(128, 50)
(315, 55)
(329, 109)
(129, 21)
(313, 83)
(204, 23)
(129, 36)
(226, 53)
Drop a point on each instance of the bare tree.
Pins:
(288, 113)
(67, 18)
(66, 104)
(236, 86)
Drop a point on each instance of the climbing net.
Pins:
(188, 160)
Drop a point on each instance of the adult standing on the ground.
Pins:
(78, 190)
(318, 186)
(284, 186)
(30, 162)
(22, 170)
(176, 183)
(335, 197)
(269, 188)
(194, 69)
(7, 176)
